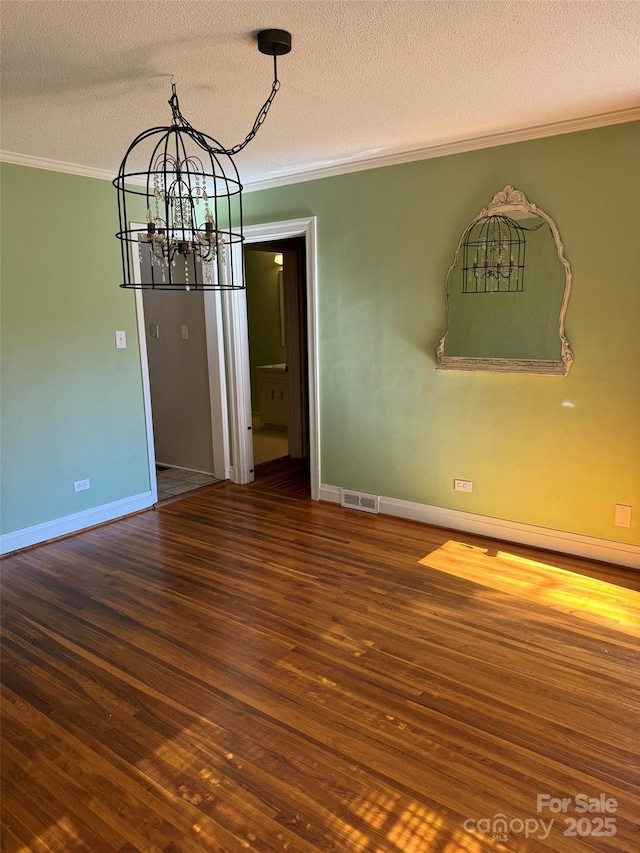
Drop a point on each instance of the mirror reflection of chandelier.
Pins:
(493, 256)
(192, 193)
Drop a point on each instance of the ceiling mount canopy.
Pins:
(193, 198)
(274, 42)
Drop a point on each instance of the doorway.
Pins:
(180, 337)
(278, 353)
(302, 352)
(228, 365)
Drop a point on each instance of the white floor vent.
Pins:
(359, 500)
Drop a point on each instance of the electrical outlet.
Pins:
(462, 485)
(623, 515)
(81, 485)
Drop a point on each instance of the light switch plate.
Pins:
(623, 515)
(121, 340)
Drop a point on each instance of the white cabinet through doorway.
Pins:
(273, 385)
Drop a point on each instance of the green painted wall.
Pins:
(71, 403)
(558, 452)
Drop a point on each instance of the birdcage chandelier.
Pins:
(192, 192)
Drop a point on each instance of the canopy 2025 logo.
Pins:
(580, 815)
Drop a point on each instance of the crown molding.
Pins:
(461, 146)
(55, 165)
(347, 166)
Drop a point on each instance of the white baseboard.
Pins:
(182, 468)
(73, 523)
(605, 550)
(329, 493)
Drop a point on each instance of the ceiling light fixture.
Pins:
(193, 198)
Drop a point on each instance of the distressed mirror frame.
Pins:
(512, 203)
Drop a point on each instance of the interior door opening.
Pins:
(183, 379)
(228, 360)
(278, 349)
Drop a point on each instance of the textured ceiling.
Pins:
(364, 79)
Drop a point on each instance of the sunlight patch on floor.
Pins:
(381, 822)
(374, 810)
(417, 830)
(61, 835)
(542, 583)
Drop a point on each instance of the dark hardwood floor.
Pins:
(285, 476)
(244, 669)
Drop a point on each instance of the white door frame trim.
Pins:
(236, 345)
(284, 230)
(229, 386)
(146, 385)
(215, 333)
(146, 396)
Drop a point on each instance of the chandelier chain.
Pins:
(257, 123)
(178, 118)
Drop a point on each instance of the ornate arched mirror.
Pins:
(507, 293)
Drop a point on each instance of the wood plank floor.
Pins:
(244, 669)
